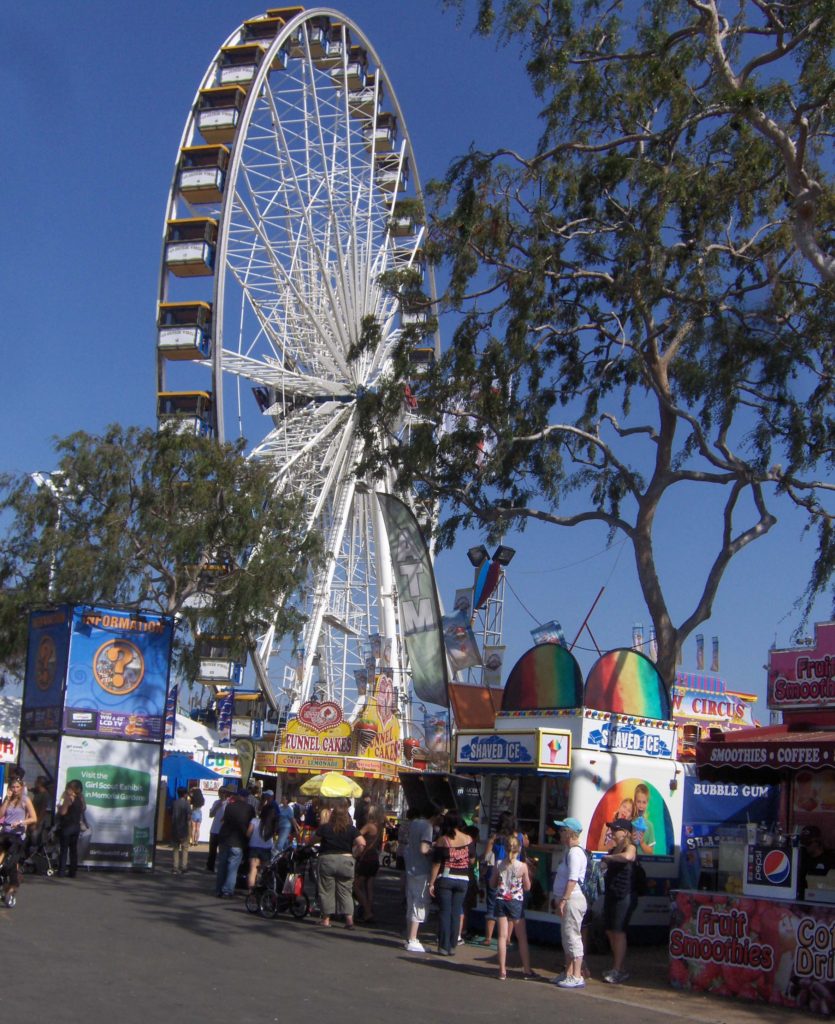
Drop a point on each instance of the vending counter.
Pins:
(755, 948)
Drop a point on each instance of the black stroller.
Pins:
(42, 851)
(282, 884)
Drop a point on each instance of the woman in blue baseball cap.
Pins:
(569, 902)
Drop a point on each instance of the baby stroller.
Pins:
(281, 886)
(12, 855)
(43, 852)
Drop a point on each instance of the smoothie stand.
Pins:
(765, 932)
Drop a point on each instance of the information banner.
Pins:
(759, 949)
(46, 667)
(117, 677)
(120, 781)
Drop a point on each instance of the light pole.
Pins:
(47, 480)
(488, 599)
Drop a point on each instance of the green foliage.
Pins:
(646, 299)
(159, 520)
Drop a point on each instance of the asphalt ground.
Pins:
(104, 948)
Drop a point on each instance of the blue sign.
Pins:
(708, 806)
(629, 738)
(224, 717)
(117, 677)
(46, 661)
(729, 803)
(496, 749)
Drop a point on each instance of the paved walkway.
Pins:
(137, 949)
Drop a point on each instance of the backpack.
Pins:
(640, 885)
(592, 886)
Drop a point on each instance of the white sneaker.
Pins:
(558, 978)
(571, 982)
(614, 977)
(414, 946)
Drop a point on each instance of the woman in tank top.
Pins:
(452, 855)
(16, 815)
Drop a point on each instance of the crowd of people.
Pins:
(440, 865)
(437, 855)
(27, 824)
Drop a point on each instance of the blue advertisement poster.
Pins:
(708, 806)
(46, 668)
(117, 679)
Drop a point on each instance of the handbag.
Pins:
(293, 885)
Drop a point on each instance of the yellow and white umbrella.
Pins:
(331, 784)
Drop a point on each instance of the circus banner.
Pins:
(420, 612)
(463, 601)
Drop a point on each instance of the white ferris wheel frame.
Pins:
(342, 506)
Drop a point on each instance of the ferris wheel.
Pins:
(295, 189)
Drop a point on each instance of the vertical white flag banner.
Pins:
(420, 611)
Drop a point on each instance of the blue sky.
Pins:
(98, 93)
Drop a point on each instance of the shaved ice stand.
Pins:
(560, 747)
(764, 934)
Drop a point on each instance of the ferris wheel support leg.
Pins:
(259, 663)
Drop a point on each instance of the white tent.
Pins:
(9, 728)
(191, 738)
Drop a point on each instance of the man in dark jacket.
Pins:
(234, 834)
(181, 830)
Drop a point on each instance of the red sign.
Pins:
(802, 678)
(775, 752)
(764, 950)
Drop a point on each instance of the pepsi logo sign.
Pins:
(776, 867)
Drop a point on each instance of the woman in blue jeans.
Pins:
(452, 855)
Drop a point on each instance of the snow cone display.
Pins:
(366, 732)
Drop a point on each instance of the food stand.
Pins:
(761, 935)
(560, 747)
(320, 739)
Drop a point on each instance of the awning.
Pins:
(774, 752)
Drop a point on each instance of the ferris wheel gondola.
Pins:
(295, 189)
